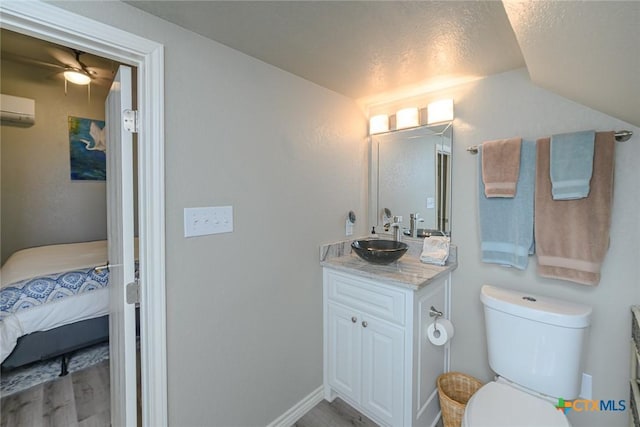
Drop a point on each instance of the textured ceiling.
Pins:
(585, 51)
(358, 48)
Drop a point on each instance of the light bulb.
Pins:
(78, 77)
(407, 118)
(378, 124)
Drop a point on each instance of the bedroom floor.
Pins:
(80, 399)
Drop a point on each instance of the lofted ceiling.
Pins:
(587, 51)
(358, 48)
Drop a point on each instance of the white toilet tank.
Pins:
(536, 342)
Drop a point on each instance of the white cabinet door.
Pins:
(344, 346)
(383, 370)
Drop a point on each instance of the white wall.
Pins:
(40, 203)
(244, 310)
(508, 105)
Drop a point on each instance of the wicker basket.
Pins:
(454, 391)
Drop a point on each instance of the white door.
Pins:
(344, 351)
(382, 370)
(122, 336)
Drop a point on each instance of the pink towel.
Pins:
(572, 236)
(501, 167)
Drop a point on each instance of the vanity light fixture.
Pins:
(440, 111)
(407, 118)
(378, 124)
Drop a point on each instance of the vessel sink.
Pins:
(426, 232)
(378, 251)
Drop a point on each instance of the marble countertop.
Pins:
(408, 271)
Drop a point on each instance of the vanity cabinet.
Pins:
(376, 353)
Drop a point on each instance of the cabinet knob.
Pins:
(354, 319)
(364, 323)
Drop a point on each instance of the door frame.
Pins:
(48, 22)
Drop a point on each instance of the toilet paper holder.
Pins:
(433, 312)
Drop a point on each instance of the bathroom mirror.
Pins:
(411, 173)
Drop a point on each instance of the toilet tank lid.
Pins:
(535, 307)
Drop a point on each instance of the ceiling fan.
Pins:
(74, 65)
(68, 64)
(78, 75)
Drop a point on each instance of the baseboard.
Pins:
(299, 409)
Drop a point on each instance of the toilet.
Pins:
(536, 347)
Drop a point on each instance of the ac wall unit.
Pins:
(15, 110)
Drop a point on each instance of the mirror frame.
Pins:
(438, 129)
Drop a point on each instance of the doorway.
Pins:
(47, 22)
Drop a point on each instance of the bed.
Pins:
(53, 301)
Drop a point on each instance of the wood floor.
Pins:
(337, 414)
(334, 414)
(80, 399)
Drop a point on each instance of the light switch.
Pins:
(208, 220)
(431, 203)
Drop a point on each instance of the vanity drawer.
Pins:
(365, 295)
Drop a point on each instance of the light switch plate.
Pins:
(431, 203)
(208, 220)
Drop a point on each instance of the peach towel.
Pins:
(572, 236)
(501, 167)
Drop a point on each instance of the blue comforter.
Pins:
(40, 290)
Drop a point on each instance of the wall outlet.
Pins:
(208, 220)
(348, 228)
(587, 384)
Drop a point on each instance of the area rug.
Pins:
(23, 378)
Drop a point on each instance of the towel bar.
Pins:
(621, 136)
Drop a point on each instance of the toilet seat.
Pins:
(500, 405)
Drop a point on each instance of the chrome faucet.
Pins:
(414, 219)
(397, 227)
